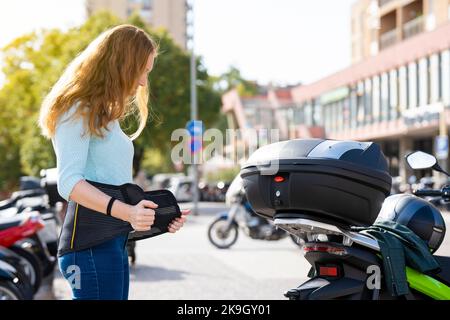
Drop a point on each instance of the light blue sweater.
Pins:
(108, 160)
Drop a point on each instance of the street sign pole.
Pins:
(190, 38)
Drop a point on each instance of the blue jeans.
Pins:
(98, 273)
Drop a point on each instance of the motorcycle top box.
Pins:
(344, 182)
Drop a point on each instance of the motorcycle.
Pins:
(38, 195)
(18, 234)
(14, 277)
(43, 243)
(224, 230)
(345, 261)
(12, 286)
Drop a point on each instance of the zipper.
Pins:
(74, 227)
(394, 287)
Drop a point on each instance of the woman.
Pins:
(95, 92)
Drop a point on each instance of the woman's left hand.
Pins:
(177, 223)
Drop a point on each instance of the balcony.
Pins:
(413, 27)
(388, 38)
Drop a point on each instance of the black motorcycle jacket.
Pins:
(84, 228)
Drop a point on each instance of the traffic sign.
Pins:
(195, 128)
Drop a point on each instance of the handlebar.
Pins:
(444, 193)
(428, 193)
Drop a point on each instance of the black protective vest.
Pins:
(84, 228)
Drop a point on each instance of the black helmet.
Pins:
(417, 214)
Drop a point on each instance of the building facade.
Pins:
(397, 93)
(273, 108)
(379, 24)
(398, 96)
(170, 14)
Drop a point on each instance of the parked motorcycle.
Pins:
(320, 190)
(14, 278)
(12, 285)
(15, 233)
(224, 230)
(38, 195)
(43, 243)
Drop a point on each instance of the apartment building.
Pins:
(170, 14)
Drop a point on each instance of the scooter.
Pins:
(342, 261)
(335, 196)
(224, 230)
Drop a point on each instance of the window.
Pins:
(342, 117)
(327, 120)
(308, 114)
(376, 98)
(339, 115)
(336, 117)
(290, 117)
(403, 88)
(346, 112)
(368, 101)
(412, 85)
(423, 82)
(332, 118)
(298, 115)
(445, 75)
(384, 97)
(317, 113)
(393, 94)
(434, 81)
(353, 107)
(360, 104)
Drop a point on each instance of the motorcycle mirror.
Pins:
(421, 160)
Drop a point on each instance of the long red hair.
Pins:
(103, 79)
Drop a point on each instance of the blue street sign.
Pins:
(195, 128)
(196, 144)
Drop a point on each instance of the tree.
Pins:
(232, 79)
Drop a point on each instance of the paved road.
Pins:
(186, 266)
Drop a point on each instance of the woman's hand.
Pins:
(177, 223)
(142, 216)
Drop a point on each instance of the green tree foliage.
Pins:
(232, 79)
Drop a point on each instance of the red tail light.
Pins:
(328, 271)
(278, 179)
